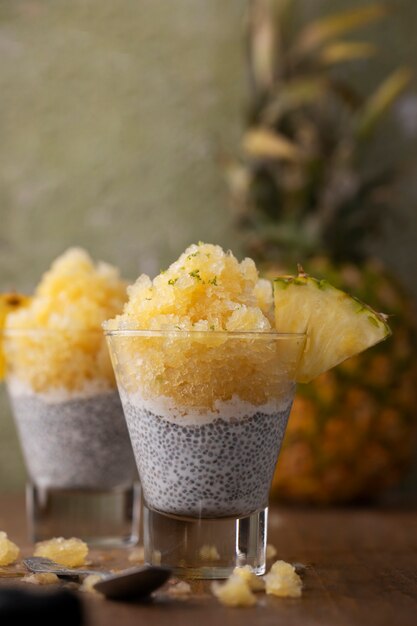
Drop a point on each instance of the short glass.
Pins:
(207, 413)
(82, 477)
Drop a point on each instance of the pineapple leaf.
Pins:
(238, 178)
(325, 29)
(345, 92)
(304, 185)
(341, 51)
(380, 102)
(267, 27)
(266, 144)
(262, 43)
(292, 95)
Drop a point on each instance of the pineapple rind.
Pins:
(338, 325)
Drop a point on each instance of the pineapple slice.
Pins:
(9, 302)
(338, 326)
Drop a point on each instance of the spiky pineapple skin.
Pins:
(353, 431)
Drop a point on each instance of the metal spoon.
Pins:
(135, 582)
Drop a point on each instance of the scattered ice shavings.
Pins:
(9, 551)
(42, 578)
(137, 555)
(69, 552)
(283, 581)
(248, 575)
(156, 557)
(180, 590)
(271, 551)
(209, 553)
(234, 592)
(89, 582)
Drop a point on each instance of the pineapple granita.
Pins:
(205, 290)
(282, 580)
(211, 392)
(234, 592)
(73, 297)
(9, 552)
(60, 380)
(69, 552)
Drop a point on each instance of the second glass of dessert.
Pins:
(78, 455)
(207, 386)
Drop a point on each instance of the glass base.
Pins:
(205, 548)
(99, 517)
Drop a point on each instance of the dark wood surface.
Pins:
(360, 569)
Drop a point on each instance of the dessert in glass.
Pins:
(206, 358)
(82, 478)
(206, 385)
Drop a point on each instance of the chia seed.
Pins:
(216, 469)
(77, 443)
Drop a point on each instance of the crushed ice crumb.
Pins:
(137, 555)
(9, 551)
(41, 578)
(271, 551)
(234, 592)
(209, 553)
(179, 590)
(246, 572)
(282, 580)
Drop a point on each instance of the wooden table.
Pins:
(360, 569)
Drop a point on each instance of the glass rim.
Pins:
(146, 332)
(16, 332)
(234, 334)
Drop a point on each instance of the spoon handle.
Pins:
(38, 564)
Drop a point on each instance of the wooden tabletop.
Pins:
(360, 569)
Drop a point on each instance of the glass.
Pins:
(207, 413)
(82, 478)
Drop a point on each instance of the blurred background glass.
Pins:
(112, 120)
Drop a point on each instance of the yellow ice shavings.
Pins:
(202, 290)
(156, 557)
(42, 578)
(282, 580)
(9, 551)
(137, 555)
(246, 572)
(57, 340)
(69, 552)
(209, 553)
(9, 302)
(89, 583)
(271, 551)
(234, 592)
(207, 290)
(180, 590)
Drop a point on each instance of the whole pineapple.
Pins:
(304, 193)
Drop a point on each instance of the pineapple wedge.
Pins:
(338, 325)
(8, 302)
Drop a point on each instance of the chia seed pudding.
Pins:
(72, 441)
(218, 467)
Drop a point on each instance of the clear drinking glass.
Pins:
(82, 477)
(206, 412)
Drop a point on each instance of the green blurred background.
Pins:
(112, 116)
